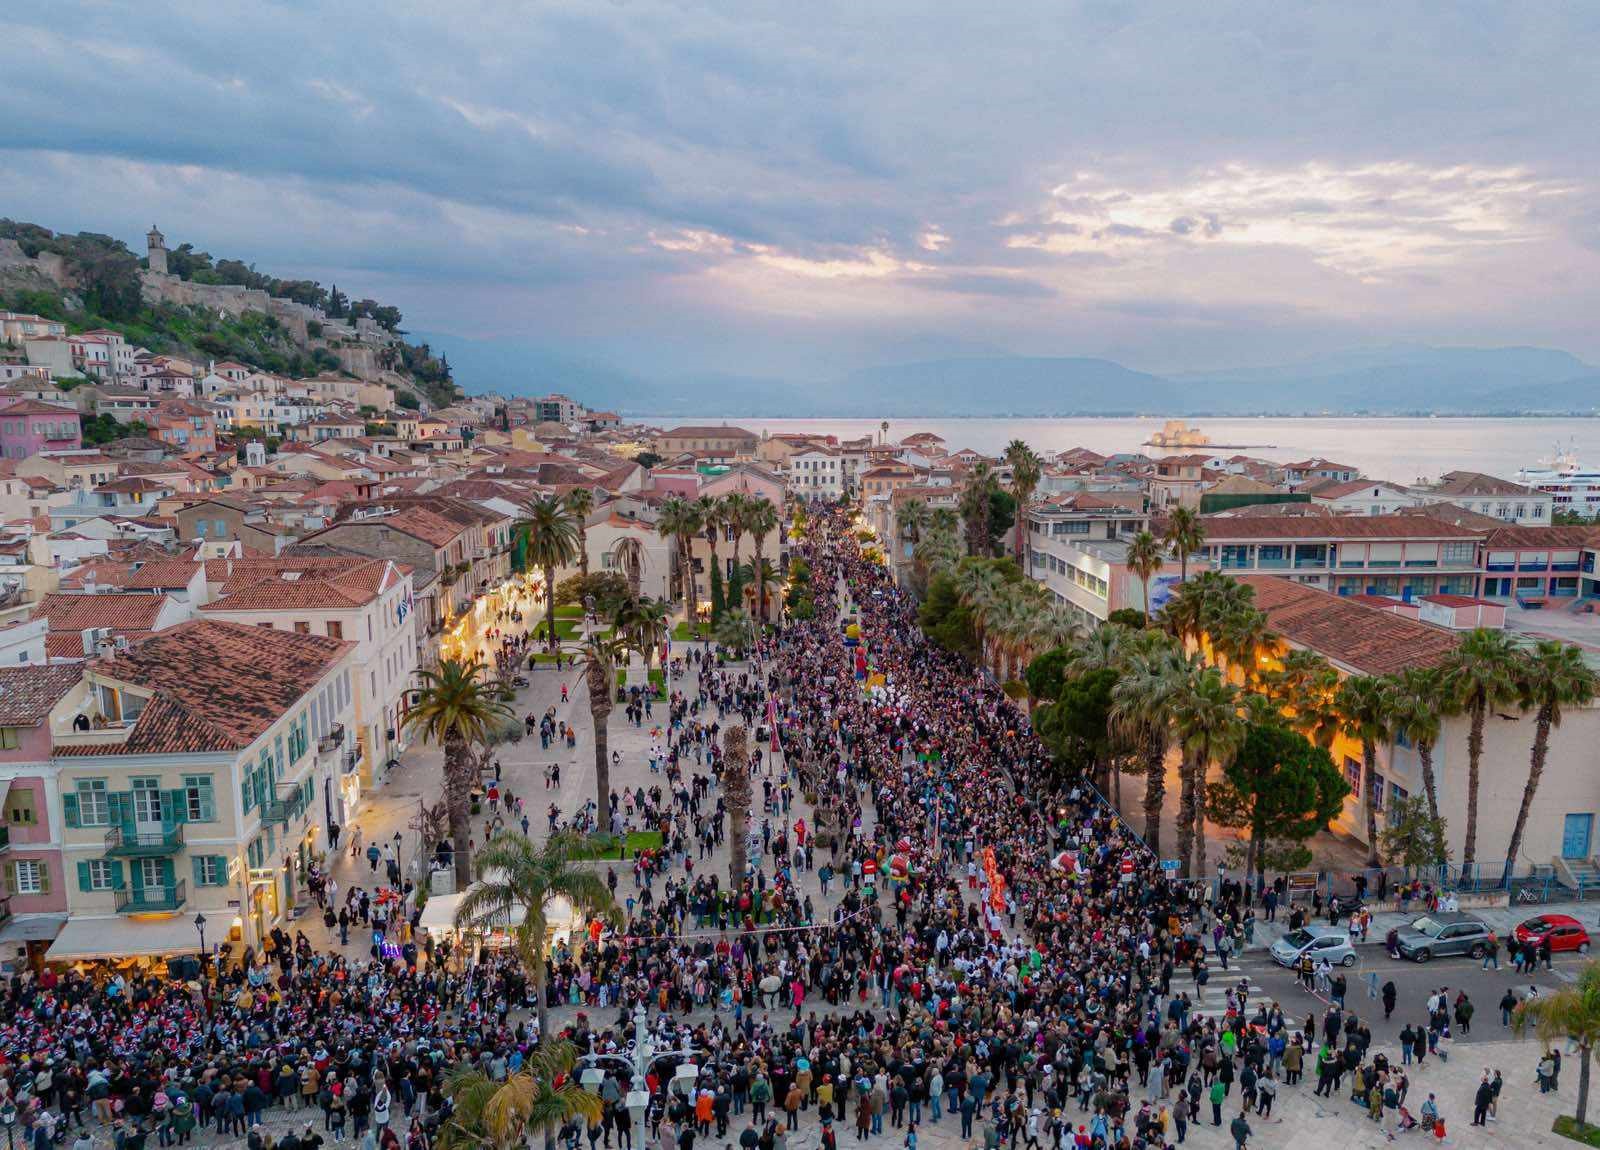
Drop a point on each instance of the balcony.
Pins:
(131, 842)
(1565, 568)
(332, 741)
(1499, 566)
(288, 806)
(151, 899)
(1422, 563)
(352, 761)
(1312, 562)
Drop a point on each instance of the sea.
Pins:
(1399, 450)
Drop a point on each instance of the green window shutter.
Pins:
(116, 804)
(169, 875)
(116, 876)
(69, 810)
(44, 876)
(177, 806)
(8, 878)
(84, 882)
(199, 870)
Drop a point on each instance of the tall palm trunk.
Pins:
(1469, 845)
(1585, 1057)
(1430, 783)
(1155, 791)
(1186, 816)
(458, 780)
(1369, 780)
(550, 603)
(1541, 750)
(599, 675)
(761, 586)
(737, 791)
(1200, 783)
(583, 549)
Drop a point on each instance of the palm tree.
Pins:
(456, 707)
(1026, 471)
(1205, 718)
(551, 532)
(1551, 677)
(629, 555)
(1144, 559)
(734, 631)
(1185, 534)
(735, 513)
(912, 520)
(761, 520)
(1570, 1014)
(651, 621)
(1420, 705)
(514, 876)
(1055, 625)
(1142, 709)
(1367, 705)
(600, 655)
(756, 576)
(580, 501)
(486, 1114)
(677, 521)
(736, 790)
(1479, 676)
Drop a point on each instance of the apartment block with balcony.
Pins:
(1403, 556)
(199, 774)
(1077, 547)
(1536, 566)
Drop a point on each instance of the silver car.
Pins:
(1320, 942)
(1440, 934)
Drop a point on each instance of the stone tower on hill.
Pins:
(158, 250)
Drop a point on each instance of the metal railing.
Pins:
(131, 841)
(151, 899)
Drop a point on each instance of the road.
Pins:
(1414, 982)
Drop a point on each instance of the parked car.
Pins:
(1321, 942)
(1440, 934)
(1563, 931)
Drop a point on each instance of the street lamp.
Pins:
(200, 925)
(397, 844)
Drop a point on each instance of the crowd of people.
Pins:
(990, 946)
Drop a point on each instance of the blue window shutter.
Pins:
(83, 877)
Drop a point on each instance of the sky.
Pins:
(777, 189)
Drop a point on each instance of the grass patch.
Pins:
(1567, 1127)
(608, 846)
(658, 678)
(569, 611)
(684, 632)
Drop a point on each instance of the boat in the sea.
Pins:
(1576, 488)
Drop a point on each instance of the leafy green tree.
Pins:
(1280, 787)
(719, 600)
(1002, 515)
(488, 1113)
(1077, 726)
(946, 619)
(1413, 835)
(1130, 617)
(1046, 674)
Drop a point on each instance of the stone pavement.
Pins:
(1501, 919)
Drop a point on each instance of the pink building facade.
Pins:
(29, 427)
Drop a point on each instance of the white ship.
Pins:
(1576, 488)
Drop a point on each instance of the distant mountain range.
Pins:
(1398, 380)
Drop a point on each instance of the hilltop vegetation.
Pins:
(102, 290)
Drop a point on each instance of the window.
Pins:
(28, 876)
(1456, 552)
(1352, 775)
(302, 628)
(210, 870)
(335, 630)
(1378, 789)
(8, 739)
(199, 801)
(98, 874)
(94, 805)
(1397, 792)
(19, 808)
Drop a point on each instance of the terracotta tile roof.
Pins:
(1455, 513)
(28, 693)
(35, 407)
(216, 686)
(69, 644)
(121, 611)
(1228, 527)
(1524, 538)
(161, 575)
(295, 583)
(700, 432)
(1364, 639)
(1477, 483)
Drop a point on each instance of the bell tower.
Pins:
(157, 244)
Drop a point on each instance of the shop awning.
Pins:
(84, 938)
(32, 929)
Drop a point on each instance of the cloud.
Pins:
(687, 170)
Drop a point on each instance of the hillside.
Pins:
(214, 310)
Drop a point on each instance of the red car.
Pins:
(1563, 931)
